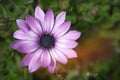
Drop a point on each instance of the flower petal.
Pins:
(73, 35)
(19, 34)
(70, 53)
(25, 46)
(39, 14)
(35, 61)
(26, 59)
(59, 19)
(60, 57)
(33, 35)
(52, 65)
(45, 58)
(48, 21)
(22, 25)
(65, 43)
(34, 24)
(62, 29)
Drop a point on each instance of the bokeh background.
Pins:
(99, 46)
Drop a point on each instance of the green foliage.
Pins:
(87, 16)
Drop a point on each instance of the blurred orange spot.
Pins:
(92, 50)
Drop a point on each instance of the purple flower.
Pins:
(45, 40)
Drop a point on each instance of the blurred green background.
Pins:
(99, 46)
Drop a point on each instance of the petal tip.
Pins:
(12, 45)
(28, 17)
(68, 23)
(17, 20)
(52, 72)
(64, 12)
(50, 11)
(31, 70)
(37, 6)
(51, 69)
(75, 56)
(22, 64)
(78, 33)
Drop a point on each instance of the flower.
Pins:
(45, 40)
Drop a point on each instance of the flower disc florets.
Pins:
(47, 41)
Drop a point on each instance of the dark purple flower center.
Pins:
(47, 41)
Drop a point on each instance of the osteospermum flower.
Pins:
(45, 40)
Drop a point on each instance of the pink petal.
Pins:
(59, 19)
(73, 35)
(35, 61)
(22, 25)
(70, 53)
(65, 43)
(39, 14)
(48, 21)
(19, 34)
(25, 46)
(34, 24)
(28, 48)
(45, 58)
(16, 44)
(60, 57)
(62, 29)
(26, 59)
(52, 65)
(33, 35)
